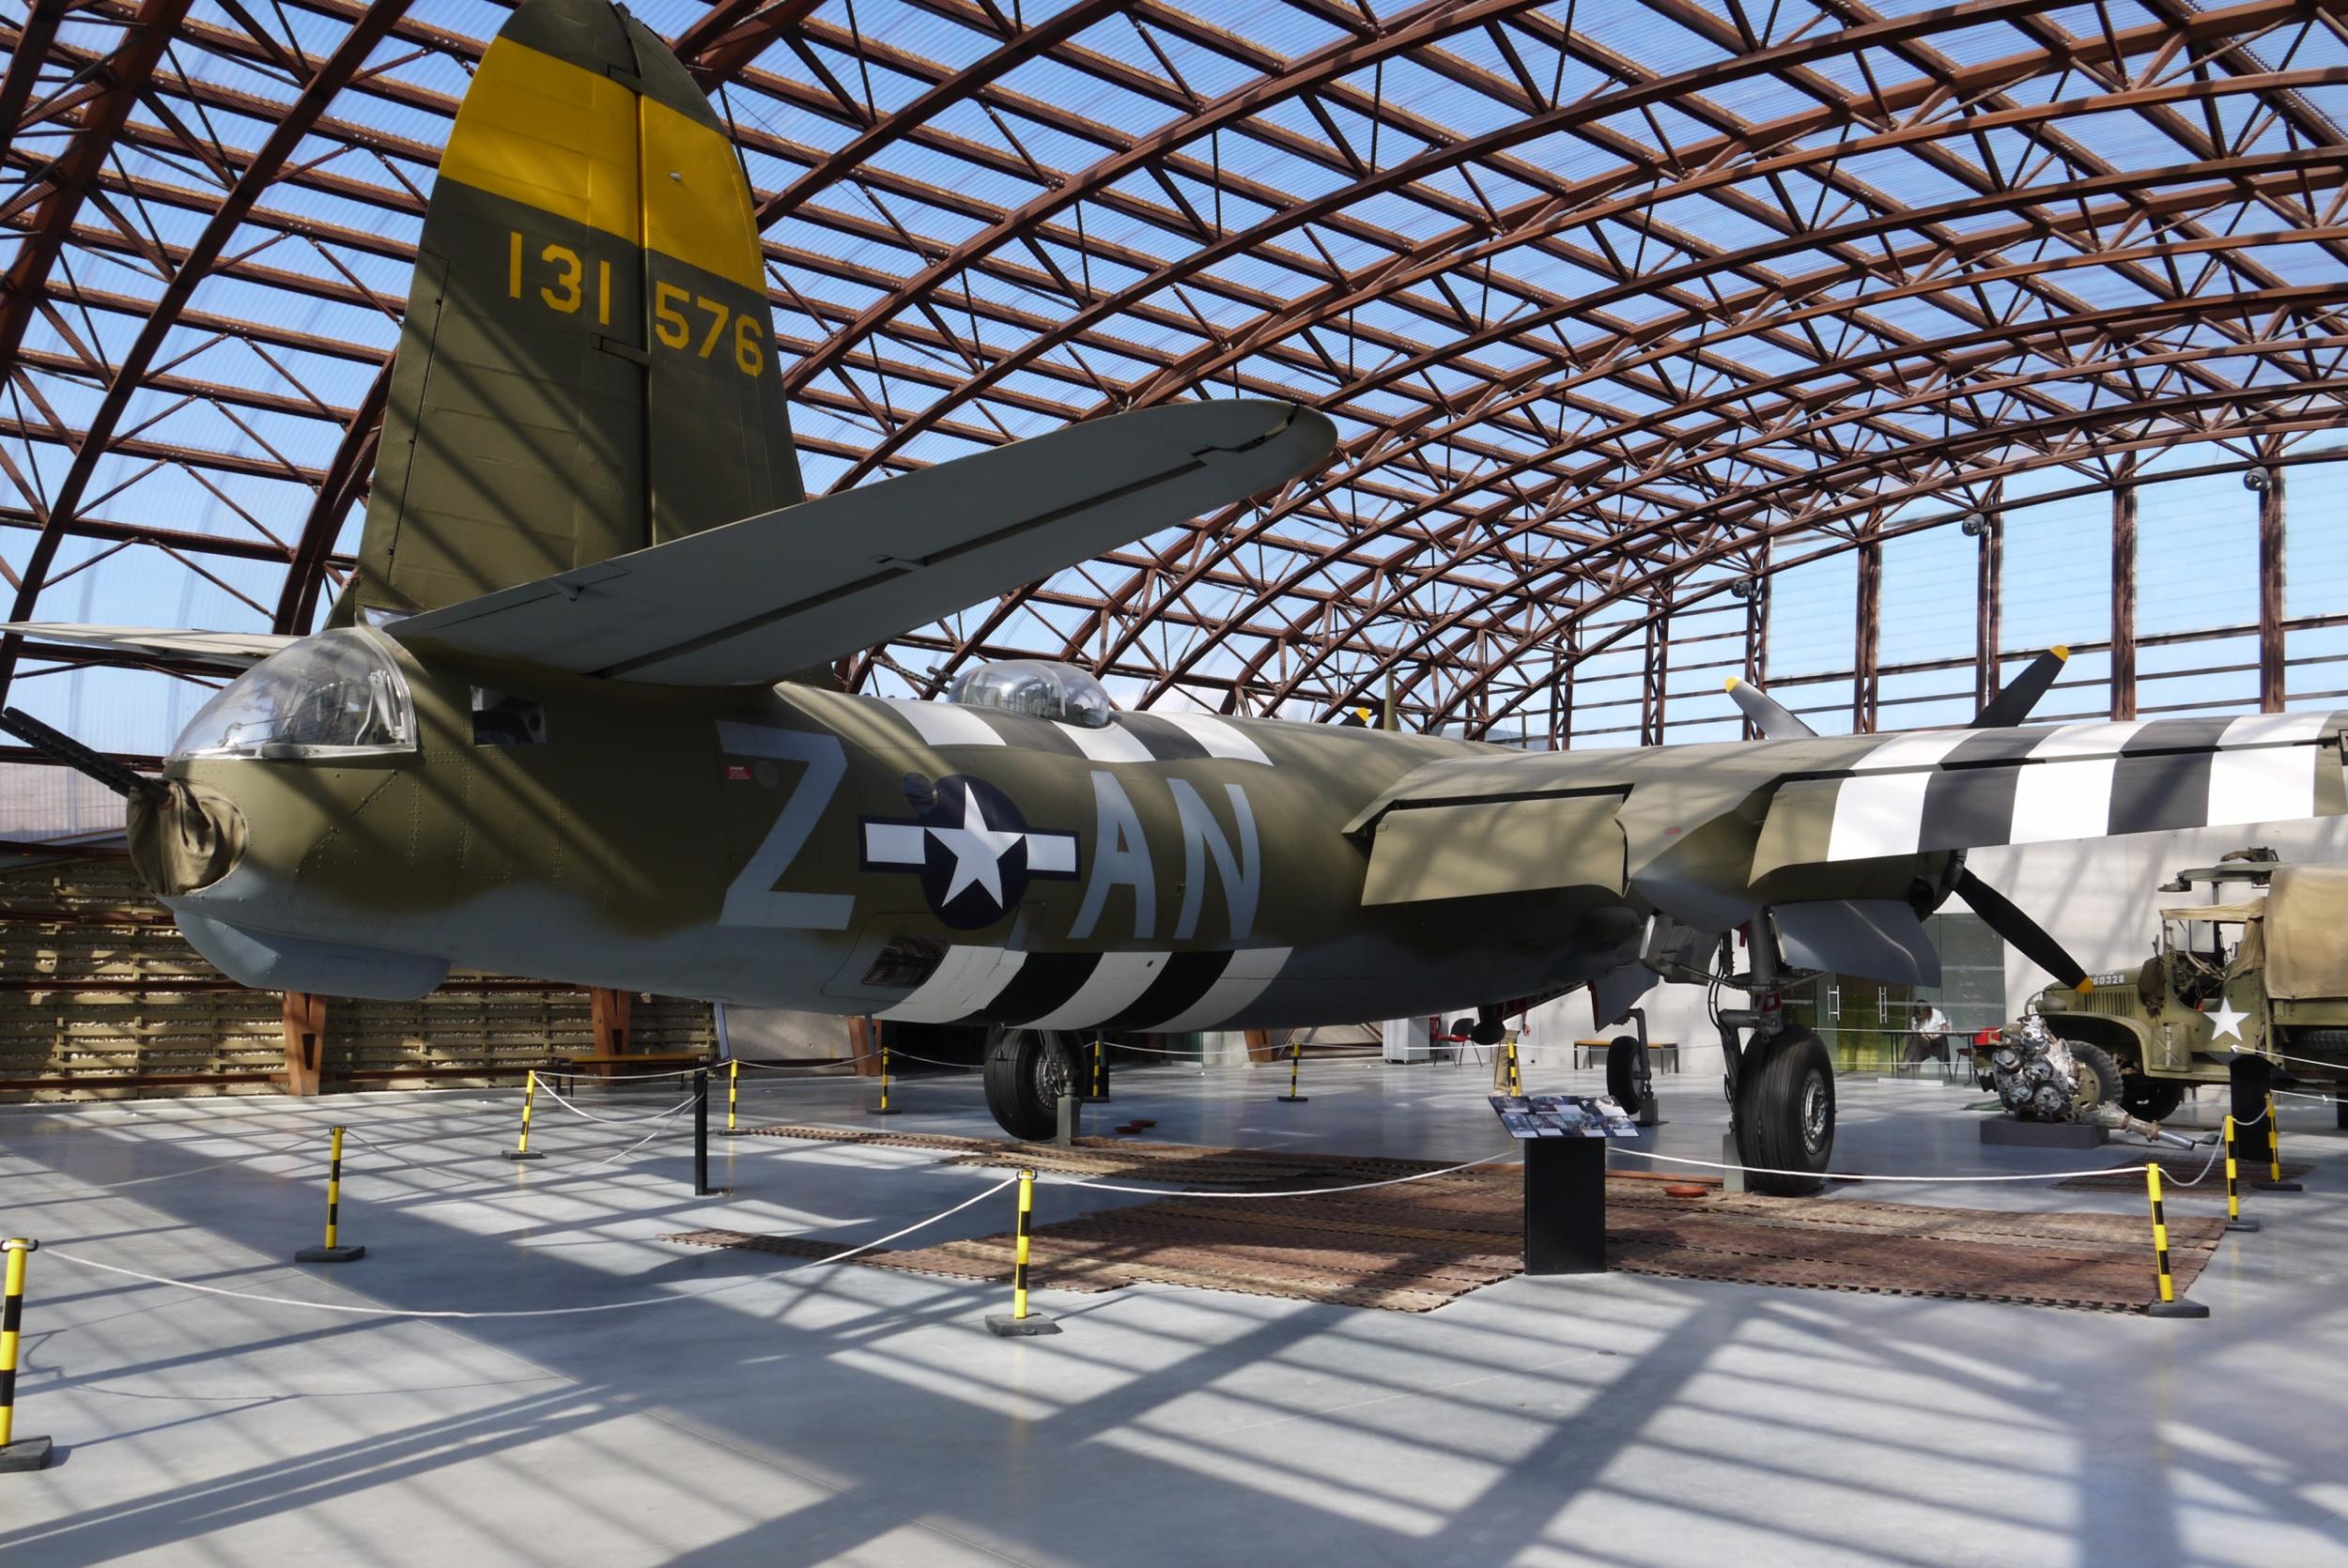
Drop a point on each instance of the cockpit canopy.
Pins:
(338, 694)
(1038, 687)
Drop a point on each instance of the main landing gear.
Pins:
(1780, 1078)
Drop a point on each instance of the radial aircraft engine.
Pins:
(573, 718)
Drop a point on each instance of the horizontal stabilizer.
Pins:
(229, 650)
(787, 590)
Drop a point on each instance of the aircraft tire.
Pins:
(2099, 1075)
(1023, 1084)
(1785, 1114)
(1622, 1072)
(2153, 1099)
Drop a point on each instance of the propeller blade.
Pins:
(1771, 718)
(2029, 937)
(2011, 706)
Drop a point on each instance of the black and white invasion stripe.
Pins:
(1960, 789)
(1153, 737)
(1170, 992)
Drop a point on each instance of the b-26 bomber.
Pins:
(573, 718)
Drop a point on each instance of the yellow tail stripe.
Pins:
(571, 142)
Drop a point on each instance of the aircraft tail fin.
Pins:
(588, 364)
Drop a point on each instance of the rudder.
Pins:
(587, 367)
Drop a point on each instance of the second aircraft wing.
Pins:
(754, 600)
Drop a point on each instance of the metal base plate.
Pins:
(514, 1154)
(2179, 1308)
(2278, 1187)
(1294, 1099)
(2042, 1135)
(2242, 1224)
(881, 1110)
(329, 1254)
(1020, 1328)
(25, 1454)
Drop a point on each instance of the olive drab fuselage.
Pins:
(774, 846)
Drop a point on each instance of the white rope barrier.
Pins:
(614, 1121)
(1943, 1180)
(530, 1312)
(2336, 1065)
(613, 1158)
(1045, 1179)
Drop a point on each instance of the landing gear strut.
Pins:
(1780, 1078)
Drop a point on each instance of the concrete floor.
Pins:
(770, 1412)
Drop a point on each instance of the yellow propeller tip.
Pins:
(2085, 985)
(1733, 684)
(2061, 650)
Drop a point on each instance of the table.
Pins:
(1590, 1053)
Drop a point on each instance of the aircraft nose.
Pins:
(183, 837)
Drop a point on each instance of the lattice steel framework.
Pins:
(1617, 304)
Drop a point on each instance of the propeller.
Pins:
(2028, 936)
(1775, 721)
(2011, 706)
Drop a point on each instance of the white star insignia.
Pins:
(2225, 1021)
(977, 850)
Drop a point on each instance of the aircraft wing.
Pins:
(231, 650)
(1710, 833)
(753, 600)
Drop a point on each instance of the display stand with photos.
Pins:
(1565, 1176)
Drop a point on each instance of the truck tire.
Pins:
(2100, 1078)
(2321, 1040)
(1025, 1078)
(2153, 1099)
(1623, 1062)
(1785, 1114)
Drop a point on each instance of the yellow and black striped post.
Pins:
(734, 1095)
(1099, 1093)
(1296, 1058)
(1515, 1082)
(884, 1107)
(2233, 1189)
(1021, 1321)
(530, 1098)
(333, 1251)
(16, 1453)
(2169, 1305)
(2275, 1182)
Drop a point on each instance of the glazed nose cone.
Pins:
(184, 837)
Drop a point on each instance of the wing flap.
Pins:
(1470, 850)
(794, 588)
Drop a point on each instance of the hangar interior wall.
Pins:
(100, 997)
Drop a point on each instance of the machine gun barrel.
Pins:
(122, 780)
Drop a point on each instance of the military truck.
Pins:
(2251, 959)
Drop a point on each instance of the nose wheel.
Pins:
(1027, 1072)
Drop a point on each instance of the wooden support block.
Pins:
(864, 1045)
(609, 1011)
(305, 1042)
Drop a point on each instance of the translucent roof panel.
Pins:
(1607, 298)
